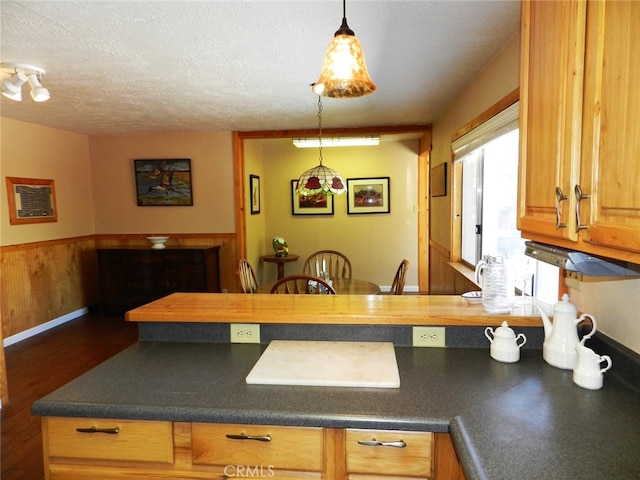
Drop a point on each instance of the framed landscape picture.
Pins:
(368, 195)
(163, 182)
(317, 204)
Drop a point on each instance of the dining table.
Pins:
(342, 286)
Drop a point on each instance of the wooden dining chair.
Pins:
(302, 284)
(336, 264)
(397, 286)
(248, 279)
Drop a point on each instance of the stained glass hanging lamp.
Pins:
(344, 73)
(320, 179)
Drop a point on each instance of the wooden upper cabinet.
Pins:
(580, 126)
(551, 79)
(611, 128)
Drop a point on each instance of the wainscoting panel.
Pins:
(42, 281)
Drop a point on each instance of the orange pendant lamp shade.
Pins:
(344, 72)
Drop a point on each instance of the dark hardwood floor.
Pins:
(38, 366)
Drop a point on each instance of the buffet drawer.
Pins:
(413, 460)
(136, 440)
(289, 448)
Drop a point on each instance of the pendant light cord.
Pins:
(320, 126)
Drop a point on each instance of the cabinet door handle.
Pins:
(559, 198)
(111, 431)
(579, 196)
(244, 436)
(375, 443)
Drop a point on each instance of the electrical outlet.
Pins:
(245, 332)
(428, 337)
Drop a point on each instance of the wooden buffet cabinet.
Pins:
(579, 135)
(130, 277)
(128, 449)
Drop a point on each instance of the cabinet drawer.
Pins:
(136, 440)
(414, 459)
(289, 448)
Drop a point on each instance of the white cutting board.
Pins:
(319, 363)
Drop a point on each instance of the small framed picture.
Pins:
(31, 200)
(439, 180)
(368, 195)
(163, 182)
(254, 189)
(317, 204)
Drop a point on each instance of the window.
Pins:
(488, 155)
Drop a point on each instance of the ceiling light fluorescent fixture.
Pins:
(22, 73)
(320, 179)
(344, 72)
(337, 142)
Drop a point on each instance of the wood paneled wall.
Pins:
(443, 278)
(43, 281)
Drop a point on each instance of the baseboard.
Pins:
(18, 337)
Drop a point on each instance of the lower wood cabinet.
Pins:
(86, 448)
(402, 454)
(131, 277)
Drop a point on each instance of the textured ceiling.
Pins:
(116, 67)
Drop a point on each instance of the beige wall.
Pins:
(32, 151)
(375, 243)
(498, 78)
(114, 189)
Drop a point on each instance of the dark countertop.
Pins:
(522, 420)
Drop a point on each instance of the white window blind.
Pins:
(496, 126)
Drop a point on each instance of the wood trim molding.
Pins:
(507, 101)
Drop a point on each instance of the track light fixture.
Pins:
(22, 73)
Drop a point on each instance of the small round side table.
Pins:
(280, 261)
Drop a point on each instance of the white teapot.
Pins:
(561, 337)
(504, 343)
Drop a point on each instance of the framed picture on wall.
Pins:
(254, 190)
(163, 182)
(368, 195)
(31, 200)
(439, 180)
(317, 204)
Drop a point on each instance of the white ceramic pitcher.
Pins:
(588, 370)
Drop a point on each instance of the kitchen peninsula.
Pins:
(182, 394)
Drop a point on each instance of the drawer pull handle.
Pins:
(111, 431)
(375, 443)
(244, 436)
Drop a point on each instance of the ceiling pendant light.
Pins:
(12, 87)
(320, 179)
(344, 72)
